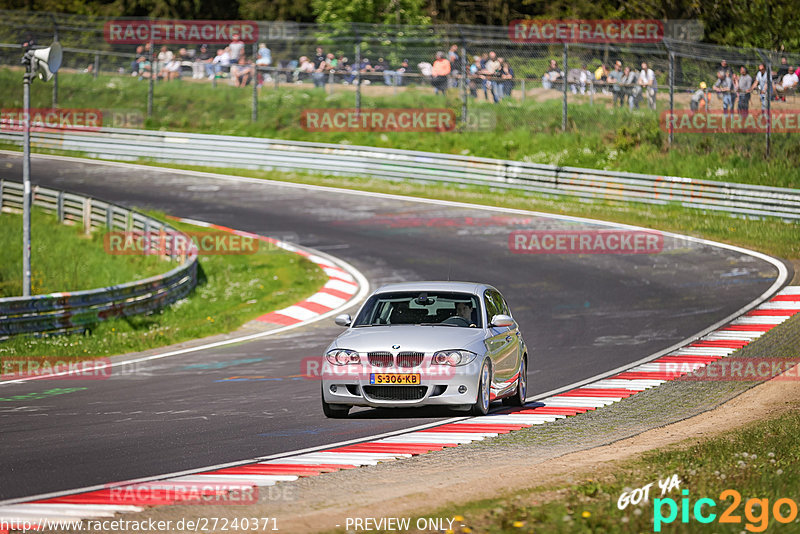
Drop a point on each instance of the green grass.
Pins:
(598, 137)
(232, 290)
(63, 258)
(758, 462)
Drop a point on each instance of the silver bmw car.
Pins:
(426, 343)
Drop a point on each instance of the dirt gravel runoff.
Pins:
(681, 412)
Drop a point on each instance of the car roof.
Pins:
(474, 288)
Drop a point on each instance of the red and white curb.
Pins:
(215, 483)
(340, 288)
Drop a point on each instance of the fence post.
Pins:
(55, 76)
(464, 91)
(671, 98)
(358, 75)
(564, 80)
(109, 217)
(254, 114)
(331, 81)
(2, 183)
(151, 81)
(523, 89)
(769, 106)
(96, 65)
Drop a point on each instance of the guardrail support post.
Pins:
(2, 190)
(109, 217)
(87, 215)
(60, 206)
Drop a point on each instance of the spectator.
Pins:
(319, 74)
(762, 83)
(344, 68)
(365, 69)
(426, 70)
(724, 67)
(615, 81)
(144, 67)
(439, 73)
(783, 70)
(221, 63)
(28, 42)
(701, 95)
(235, 48)
(601, 77)
(242, 72)
(263, 60)
(631, 90)
(201, 62)
(402, 72)
(380, 67)
(135, 62)
(647, 82)
(389, 74)
(723, 87)
(476, 77)
(551, 75)
(164, 57)
(788, 83)
(305, 67)
(455, 65)
(743, 86)
(506, 82)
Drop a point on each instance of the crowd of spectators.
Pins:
(230, 62)
(487, 74)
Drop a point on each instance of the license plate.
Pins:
(400, 379)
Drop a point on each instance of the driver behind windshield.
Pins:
(464, 310)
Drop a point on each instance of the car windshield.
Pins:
(427, 308)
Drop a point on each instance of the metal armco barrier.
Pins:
(78, 309)
(257, 153)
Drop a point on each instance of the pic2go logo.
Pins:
(756, 511)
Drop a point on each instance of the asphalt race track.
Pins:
(582, 314)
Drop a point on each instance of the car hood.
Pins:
(409, 338)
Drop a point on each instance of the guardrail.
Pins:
(60, 312)
(258, 153)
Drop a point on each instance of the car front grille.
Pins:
(395, 393)
(380, 359)
(409, 359)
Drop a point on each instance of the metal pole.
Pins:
(769, 107)
(26, 180)
(152, 80)
(564, 80)
(464, 93)
(671, 97)
(358, 78)
(55, 76)
(254, 114)
(96, 65)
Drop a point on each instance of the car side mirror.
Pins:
(343, 319)
(502, 320)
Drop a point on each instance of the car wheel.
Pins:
(334, 411)
(518, 398)
(481, 406)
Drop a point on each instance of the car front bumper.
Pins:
(351, 385)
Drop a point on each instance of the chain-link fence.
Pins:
(485, 79)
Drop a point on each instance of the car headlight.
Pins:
(342, 356)
(452, 357)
